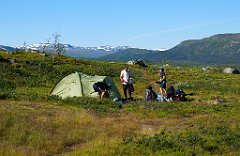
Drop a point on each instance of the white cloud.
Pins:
(142, 36)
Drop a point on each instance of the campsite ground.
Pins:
(34, 123)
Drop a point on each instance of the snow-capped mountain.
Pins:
(70, 50)
(44, 46)
(69, 47)
(160, 49)
(7, 48)
(93, 52)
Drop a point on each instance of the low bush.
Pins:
(211, 140)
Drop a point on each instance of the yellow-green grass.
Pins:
(51, 128)
(34, 123)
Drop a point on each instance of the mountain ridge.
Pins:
(70, 50)
(217, 49)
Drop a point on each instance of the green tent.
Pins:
(79, 84)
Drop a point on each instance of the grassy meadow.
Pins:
(32, 122)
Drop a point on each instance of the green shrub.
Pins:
(188, 142)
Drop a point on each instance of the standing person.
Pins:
(163, 84)
(125, 77)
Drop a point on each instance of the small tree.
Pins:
(25, 46)
(46, 45)
(58, 47)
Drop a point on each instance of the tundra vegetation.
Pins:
(32, 122)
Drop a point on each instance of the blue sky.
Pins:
(150, 24)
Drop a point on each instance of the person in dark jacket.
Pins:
(101, 88)
(163, 83)
(170, 93)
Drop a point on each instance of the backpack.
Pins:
(180, 95)
(131, 88)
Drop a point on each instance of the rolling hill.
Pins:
(217, 49)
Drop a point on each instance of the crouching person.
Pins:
(170, 93)
(150, 95)
(102, 89)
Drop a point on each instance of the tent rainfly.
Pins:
(79, 84)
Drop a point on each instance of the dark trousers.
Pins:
(125, 89)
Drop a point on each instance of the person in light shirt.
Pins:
(126, 80)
